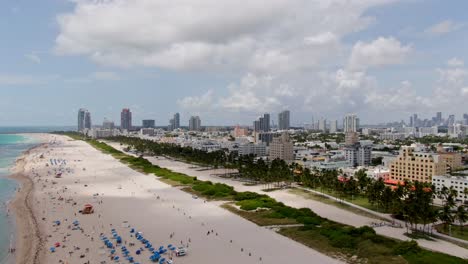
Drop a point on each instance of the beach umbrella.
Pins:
(112, 252)
(138, 252)
(52, 249)
(116, 258)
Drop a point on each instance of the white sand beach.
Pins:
(124, 199)
(325, 210)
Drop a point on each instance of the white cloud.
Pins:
(464, 91)
(197, 103)
(380, 52)
(33, 57)
(455, 62)
(443, 27)
(325, 38)
(262, 35)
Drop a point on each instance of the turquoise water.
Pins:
(11, 146)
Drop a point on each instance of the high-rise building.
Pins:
(350, 123)
(465, 118)
(126, 119)
(282, 148)
(438, 118)
(84, 119)
(284, 120)
(415, 120)
(451, 120)
(148, 123)
(262, 124)
(87, 120)
(106, 124)
(322, 124)
(194, 123)
(333, 126)
(351, 138)
(176, 121)
(358, 155)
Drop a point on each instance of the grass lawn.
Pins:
(323, 199)
(357, 200)
(456, 232)
(262, 218)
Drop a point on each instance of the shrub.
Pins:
(407, 247)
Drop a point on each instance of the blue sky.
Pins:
(382, 59)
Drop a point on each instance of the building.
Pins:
(284, 120)
(458, 183)
(322, 125)
(174, 123)
(351, 138)
(126, 119)
(240, 132)
(87, 120)
(428, 131)
(358, 154)
(451, 120)
(262, 124)
(350, 123)
(106, 124)
(438, 118)
(416, 166)
(265, 137)
(282, 148)
(194, 123)
(465, 119)
(258, 150)
(148, 123)
(84, 119)
(333, 126)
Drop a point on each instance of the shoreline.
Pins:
(27, 236)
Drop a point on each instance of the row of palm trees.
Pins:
(410, 201)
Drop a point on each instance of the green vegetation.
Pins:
(324, 199)
(456, 231)
(261, 217)
(319, 233)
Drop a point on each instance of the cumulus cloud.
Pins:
(380, 52)
(262, 35)
(443, 27)
(197, 103)
(455, 62)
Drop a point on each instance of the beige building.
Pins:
(421, 166)
(282, 148)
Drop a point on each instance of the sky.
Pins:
(229, 61)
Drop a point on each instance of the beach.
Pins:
(61, 177)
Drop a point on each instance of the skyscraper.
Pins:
(262, 124)
(333, 126)
(465, 118)
(81, 119)
(284, 120)
(350, 123)
(322, 124)
(176, 121)
(195, 123)
(282, 147)
(451, 120)
(87, 120)
(126, 119)
(438, 118)
(148, 123)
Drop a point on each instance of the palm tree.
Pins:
(462, 216)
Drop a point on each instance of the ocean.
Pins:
(11, 146)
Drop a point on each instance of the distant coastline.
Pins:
(33, 129)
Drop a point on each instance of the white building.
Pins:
(428, 131)
(358, 155)
(459, 183)
(258, 150)
(350, 123)
(333, 126)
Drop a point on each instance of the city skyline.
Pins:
(373, 58)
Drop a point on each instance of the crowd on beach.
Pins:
(60, 203)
